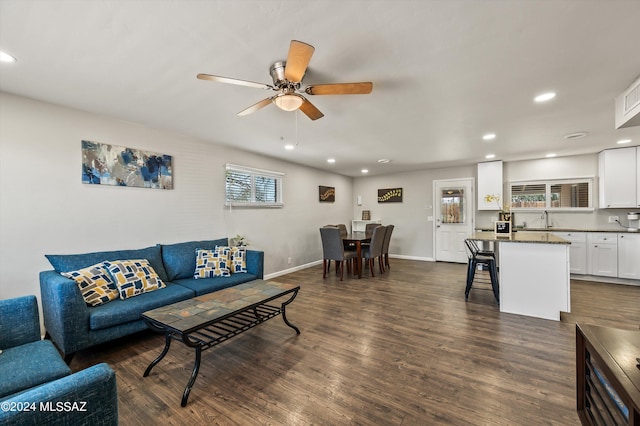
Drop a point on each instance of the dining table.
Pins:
(356, 239)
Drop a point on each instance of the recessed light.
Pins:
(551, 155)
(331, 160)
(545, 97)
(5, 57)
(489, 156)
(623, 141)
(489, 136)
(384, 161)
(364, 171)
(289, 147)
(576, 135)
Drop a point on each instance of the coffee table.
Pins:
(208, 320)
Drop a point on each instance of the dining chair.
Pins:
(343, 229)
(333, 249)
(479, 257)
(385, 245)
(368, 230)
(374, 249)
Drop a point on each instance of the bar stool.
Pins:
(485, 258)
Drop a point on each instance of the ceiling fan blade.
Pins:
(233, 81)
(297, 60)
(310, 110)
(255, 107)
(363, 88)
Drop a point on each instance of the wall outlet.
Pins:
(613, 219)
(289, 260)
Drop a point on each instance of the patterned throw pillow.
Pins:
(238, 260)
(134, 277)
(212, 263)
(95, 283)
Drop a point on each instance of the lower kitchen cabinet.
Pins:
(629, 256)
(577, 251)
(602, 252)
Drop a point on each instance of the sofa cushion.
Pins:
(238, 260)
(23, 367)
(134, 277)
(212, 263)
(180, 259)
(95, 283)
(123, 311)
(208, 285)
(72, 262)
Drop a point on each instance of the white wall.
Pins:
(44, 207)
(413, 233)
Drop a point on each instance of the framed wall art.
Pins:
(327, 194)
(390, 195)
(104, 164)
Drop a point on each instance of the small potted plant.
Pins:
(239, 241)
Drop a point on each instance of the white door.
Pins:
(453, 213)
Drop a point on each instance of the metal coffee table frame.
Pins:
(211, 333)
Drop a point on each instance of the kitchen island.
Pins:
(533, 273)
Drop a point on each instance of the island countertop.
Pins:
(521, 237)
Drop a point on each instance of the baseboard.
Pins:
(400, 256)
(294, 269)
(319, 262)
(608, 280)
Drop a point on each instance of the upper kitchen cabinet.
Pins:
(619, 179)
(490, 183)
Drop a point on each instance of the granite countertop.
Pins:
(521, 237)
(615, 231)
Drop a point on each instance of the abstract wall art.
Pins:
(390, 195)
(327, 194)
(104, 164)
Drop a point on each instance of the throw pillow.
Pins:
(95, 283)
(212, 263)
(134, 277)
(238, 260)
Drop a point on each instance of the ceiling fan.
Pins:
(287, 78)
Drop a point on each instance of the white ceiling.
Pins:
(444, 73)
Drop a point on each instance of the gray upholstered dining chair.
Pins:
(374, 249)
(343, 229)
(368, 230)
(333, 249)
(385, 245)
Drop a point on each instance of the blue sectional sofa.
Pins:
(37, 387)
(74, 325)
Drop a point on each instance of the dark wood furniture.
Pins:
(205, 321)
(607, 375)
(357, 238)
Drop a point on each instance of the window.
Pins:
(246, 186)
(565, 194)
(452, 205)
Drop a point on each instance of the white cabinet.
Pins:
(602, 252)
(638, 176)
(617, 169)
(577, 251)
(361, 225)
(490, 183)
(629, 256)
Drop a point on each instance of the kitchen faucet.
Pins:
(545, 216)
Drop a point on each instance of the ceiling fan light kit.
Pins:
(287, 78)
(288, 101)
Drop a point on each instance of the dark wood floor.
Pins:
(399, 349)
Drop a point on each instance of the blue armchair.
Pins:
(36, 385)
